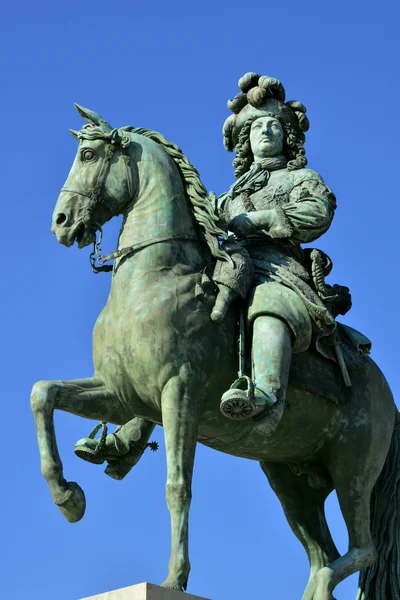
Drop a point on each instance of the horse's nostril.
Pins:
(61, 218)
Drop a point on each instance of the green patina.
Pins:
(315, 414)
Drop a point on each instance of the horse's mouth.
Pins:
(83, 235)
(80, 234)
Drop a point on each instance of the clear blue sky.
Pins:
(171, 66)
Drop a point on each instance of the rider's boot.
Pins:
(122, 449)
(264, 399)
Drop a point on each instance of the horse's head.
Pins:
(99, 185)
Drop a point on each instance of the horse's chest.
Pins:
(141, 337)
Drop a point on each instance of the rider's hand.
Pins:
(244, 224)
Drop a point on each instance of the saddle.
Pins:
(312, 371)
(344, 345)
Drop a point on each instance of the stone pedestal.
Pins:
(144, 591)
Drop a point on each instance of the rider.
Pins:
(275, 205)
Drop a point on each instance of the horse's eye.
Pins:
(88, 155)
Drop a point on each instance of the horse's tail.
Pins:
(381, 581)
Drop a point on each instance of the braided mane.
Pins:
(203, 211)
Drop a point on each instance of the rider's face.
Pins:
(266, 138)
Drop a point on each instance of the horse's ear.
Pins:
(75, 134)
(92, 117)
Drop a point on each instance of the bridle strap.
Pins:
(94, 195)
(129, 249)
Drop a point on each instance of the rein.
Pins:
(102, 268)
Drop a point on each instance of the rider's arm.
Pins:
(306, 216)
(310, 210)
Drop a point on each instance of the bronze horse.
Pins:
(159, 356)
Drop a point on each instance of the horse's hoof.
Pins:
(173, 584)
(72, 503)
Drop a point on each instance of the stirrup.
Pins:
(238, 403)
(89, 448)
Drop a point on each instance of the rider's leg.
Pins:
(140, 429)
(122, 449)
(271, 356)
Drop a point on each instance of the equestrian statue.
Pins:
(221, 327)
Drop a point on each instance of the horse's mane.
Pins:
(202, 208)
(203, 211)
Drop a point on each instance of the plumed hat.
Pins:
(262, 95)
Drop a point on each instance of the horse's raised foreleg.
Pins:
(304, 509)
(180, 414)
(84, 397)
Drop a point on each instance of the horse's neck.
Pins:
(160, 208)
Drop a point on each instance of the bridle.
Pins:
(95, 194)
(95, 198)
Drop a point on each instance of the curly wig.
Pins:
(293, 146)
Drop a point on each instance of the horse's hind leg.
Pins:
(84, 397)
(355, 505)
(354, 477)
(303, 506)
(354, 495)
